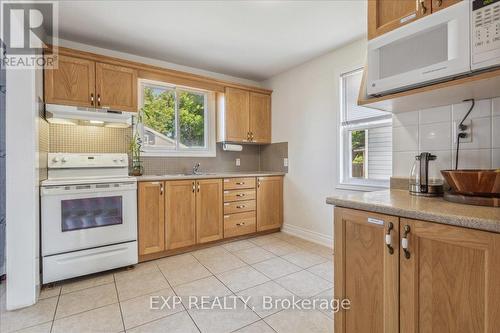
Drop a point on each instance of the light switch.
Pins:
(238, 162)
(285, 162)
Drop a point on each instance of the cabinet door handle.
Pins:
(240, 224)
(388, 238)
(240, 183)
(198, 187)
(422, 6)
(193, 187)
(92, 99)
(404, 241)
(240, 206)
(98, 99)
(439, 3)
(240, 194)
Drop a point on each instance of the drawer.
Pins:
(239, 224)
(239, 206)
(238, 195)
(239, 183)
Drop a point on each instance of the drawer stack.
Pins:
(239, 206)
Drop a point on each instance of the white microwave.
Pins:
(434, 48)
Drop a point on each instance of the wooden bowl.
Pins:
(474, 182)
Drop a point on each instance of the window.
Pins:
(176, 121)
(366, 139)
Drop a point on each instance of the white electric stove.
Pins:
(88, 215)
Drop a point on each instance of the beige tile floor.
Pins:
(276, 265)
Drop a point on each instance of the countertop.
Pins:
(401, 203)
(209, 175)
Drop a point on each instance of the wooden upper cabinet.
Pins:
(442, 4)
(269, 203)
(366, 271)
(116, 87)
(151, 217)
(260, 118)
(72, 83)
(236, 116)
(180, 213)
(387, 15)
(450, 282)
(209, 196)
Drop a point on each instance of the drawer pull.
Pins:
(240, 224)
(404, 241)
(388, 238)
(240, 194)
(240, 206)
(240, 183)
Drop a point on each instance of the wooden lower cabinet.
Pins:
(209, 210)
(366, 272)
(451, 280)
(180, 213)
(151, 222)
(269, 203)
(447, 279)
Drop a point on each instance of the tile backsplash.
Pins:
(93, 139)
(432, 130)
(88, 139)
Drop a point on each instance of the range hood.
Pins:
(75, 115)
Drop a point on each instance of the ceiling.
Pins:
(248, 39)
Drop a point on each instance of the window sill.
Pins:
(361, 188)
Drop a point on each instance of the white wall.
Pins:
(431, 130)
(306, 107)
(24, 87)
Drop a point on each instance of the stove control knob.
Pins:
(64, 160)
(115, 160)
(122, 160)
(55, 159)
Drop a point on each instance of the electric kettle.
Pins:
(425, 179)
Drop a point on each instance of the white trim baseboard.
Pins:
(308, 235)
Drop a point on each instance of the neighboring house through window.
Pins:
(176, 121)
(366, 139)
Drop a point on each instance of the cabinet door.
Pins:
(260, 118)
(209, 225)
(72, 83)
(269, 203)
(450, 282)
(116, 87)
(387, 15)
(366, 271)
(180, 212)
(236, 119)
(151, 218)
(442, 4)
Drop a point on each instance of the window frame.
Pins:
(210, 136)
(345, 181)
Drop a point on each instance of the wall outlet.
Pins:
(285, 162)
(238, 162)
(467, 131)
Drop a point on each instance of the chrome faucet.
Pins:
(195, 168)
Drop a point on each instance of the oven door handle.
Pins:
(82, 189)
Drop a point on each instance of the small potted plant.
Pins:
(135, 149)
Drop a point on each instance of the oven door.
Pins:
(77, 217)
(433, 48)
